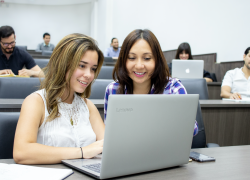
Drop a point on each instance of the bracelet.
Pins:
(81, 151)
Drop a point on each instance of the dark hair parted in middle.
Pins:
(160, 76)
(184, 47)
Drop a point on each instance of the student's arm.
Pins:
(208, 79)
(226, 85)
(6, 71)
(207, 76)
(226, 93)
(35, 72)
(28, 151)
(96, 120)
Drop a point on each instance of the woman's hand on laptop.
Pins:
(92, 149)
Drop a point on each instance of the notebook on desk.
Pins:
(188, 69)
(143, 133)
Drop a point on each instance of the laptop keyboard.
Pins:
(94, 167)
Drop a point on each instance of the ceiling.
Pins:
(48, 2)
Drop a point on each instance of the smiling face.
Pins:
(247, 60)
(140, 63)
(115, 44)
(183, 55)
(84, 73)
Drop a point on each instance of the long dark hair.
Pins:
(160, 76)
(184, 47)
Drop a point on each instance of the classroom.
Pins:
(124, 89)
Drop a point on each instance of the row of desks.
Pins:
(231, 163)
(227, 123)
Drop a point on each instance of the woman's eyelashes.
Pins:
(145, 58)
(83, 66)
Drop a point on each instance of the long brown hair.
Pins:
(184, 47)
(160, 76)
(65, 58)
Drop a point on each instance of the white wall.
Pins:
(30, 22)
(220, 26)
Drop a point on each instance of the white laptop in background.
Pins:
(188, 69)
(143, 133)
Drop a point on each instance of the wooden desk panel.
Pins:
(232, 163)
(214, 89)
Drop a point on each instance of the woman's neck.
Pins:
(141, 88)
(68, 100)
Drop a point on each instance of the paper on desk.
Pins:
(23, 172)
(236, 100)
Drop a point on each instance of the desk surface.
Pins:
(232, 162)
(16, 103)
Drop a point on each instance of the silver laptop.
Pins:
(188, 69)
(143, 133)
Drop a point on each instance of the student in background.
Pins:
(184, 53)
(236, 82)
(13, 59)
(114, 50)
(46, 45)
(58, 121)
(142, 69)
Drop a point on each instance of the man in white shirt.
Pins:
(236, 82)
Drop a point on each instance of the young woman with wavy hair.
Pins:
(141, 68)
(58, 121)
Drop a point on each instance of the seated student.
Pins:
(114, 50)
(46, 45)
(13, 59)
(142, 69)
(184, 53)
(236, 82)
(58, 121)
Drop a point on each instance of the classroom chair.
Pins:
(18, 88)
(46, 53)
(106, 72)
(42, 63)
(22, 47)
(199, 141)
(99, 87)
(196, 86)
(8, 122)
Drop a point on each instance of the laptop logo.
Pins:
(187, 71)
(124, 110)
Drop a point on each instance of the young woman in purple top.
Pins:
(141, 68)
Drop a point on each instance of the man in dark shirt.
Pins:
(13, 59)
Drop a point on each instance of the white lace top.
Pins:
(60, 132)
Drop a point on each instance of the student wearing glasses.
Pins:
(58, 121)
(141, 68)
(13, 59)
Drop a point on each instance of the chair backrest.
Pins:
(106, 72)
(18, 88)
(46, 53)
(41, 62)
(8, 122)
(22, 47)
(199, 141)
(99, 87)
(196, 86)
(108, 59)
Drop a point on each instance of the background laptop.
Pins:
(143, 133)
(188, 69)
